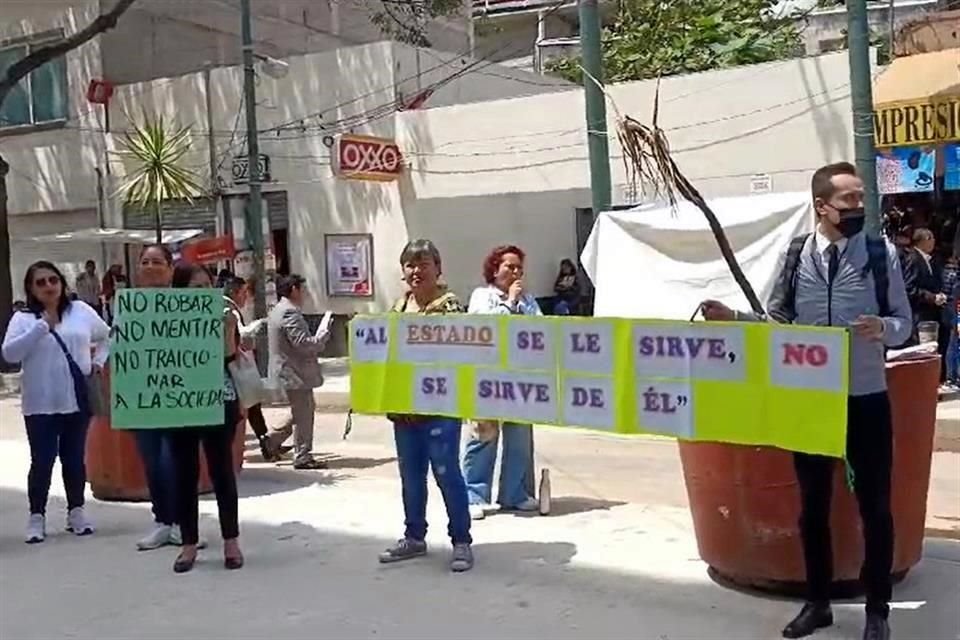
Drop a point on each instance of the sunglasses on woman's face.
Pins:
(48, 280)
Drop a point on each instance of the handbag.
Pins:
(246, 379)
(87, 389)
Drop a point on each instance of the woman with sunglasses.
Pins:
(59, 343)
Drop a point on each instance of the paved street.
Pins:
(617, 560)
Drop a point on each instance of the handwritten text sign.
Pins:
(588, 347)
(531, 344)
(801, 360)
(435, 390)
(167, 359)
(700, 351)
(666, 407)
(370, 340)
(448, 339)
(588, 401)
(724, 382)
(520, 396)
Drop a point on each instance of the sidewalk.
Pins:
(593, 570)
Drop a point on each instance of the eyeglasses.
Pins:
(49, 280)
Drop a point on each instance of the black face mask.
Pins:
(851, 221)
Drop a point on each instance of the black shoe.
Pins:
(811, 617)
(183, 565)
(877, 628)
(267, 449)
(310, 464)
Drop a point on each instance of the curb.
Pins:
(942, 533)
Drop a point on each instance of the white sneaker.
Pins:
(77, 522)
(530, 504)
(477, 512)
(158, 537)
(36, 528)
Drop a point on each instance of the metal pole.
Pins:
(861, 90)
(596, 105)
(254, 204)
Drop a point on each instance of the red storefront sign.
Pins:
(207, 250)
(367, 158)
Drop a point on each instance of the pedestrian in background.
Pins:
(503, 294)
(53, 339)
(217, 441)
(88, 287)
(295, 368)
(429, 441)
(839, 277)
(235, 296)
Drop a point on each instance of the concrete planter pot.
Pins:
(745, 501)
(114, 469)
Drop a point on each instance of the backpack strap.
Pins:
(877, 264)
(782, 307)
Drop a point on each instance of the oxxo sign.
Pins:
(367, 158)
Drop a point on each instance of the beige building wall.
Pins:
(514, 170)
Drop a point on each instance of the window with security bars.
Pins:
(40, 97)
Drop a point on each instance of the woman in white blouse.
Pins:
(59, 343)
(504, 294)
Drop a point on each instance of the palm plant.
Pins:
(156, 148)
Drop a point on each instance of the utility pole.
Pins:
(861, 91)
(254, 204)
(596, 106)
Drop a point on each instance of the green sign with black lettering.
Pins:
(166, 359)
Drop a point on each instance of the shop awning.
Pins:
(118, 236)
(917, 100)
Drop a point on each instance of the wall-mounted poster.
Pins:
(951, 167)
(349, 264)
(906, 169)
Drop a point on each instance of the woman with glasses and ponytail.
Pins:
(59, 343)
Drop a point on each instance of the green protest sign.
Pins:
(166, 359)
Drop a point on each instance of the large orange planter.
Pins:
(745, 501)
(114, 469)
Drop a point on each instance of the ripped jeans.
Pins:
(432, 442)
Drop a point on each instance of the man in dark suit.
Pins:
(923, 280)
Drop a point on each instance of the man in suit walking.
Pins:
(295, 369)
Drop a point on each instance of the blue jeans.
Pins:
(953, 356)
(516, 467)
(433, 442)
(157, 457)
(50, 435)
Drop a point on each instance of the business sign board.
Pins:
(367, 158)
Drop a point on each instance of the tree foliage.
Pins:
(406, 20)
(154, 151)
(651, 38)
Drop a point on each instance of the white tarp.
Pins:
(657, 262)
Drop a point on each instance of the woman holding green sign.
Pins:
(217, 441)
(155, 271)
(53, 339)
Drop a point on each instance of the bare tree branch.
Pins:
(41, 56)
